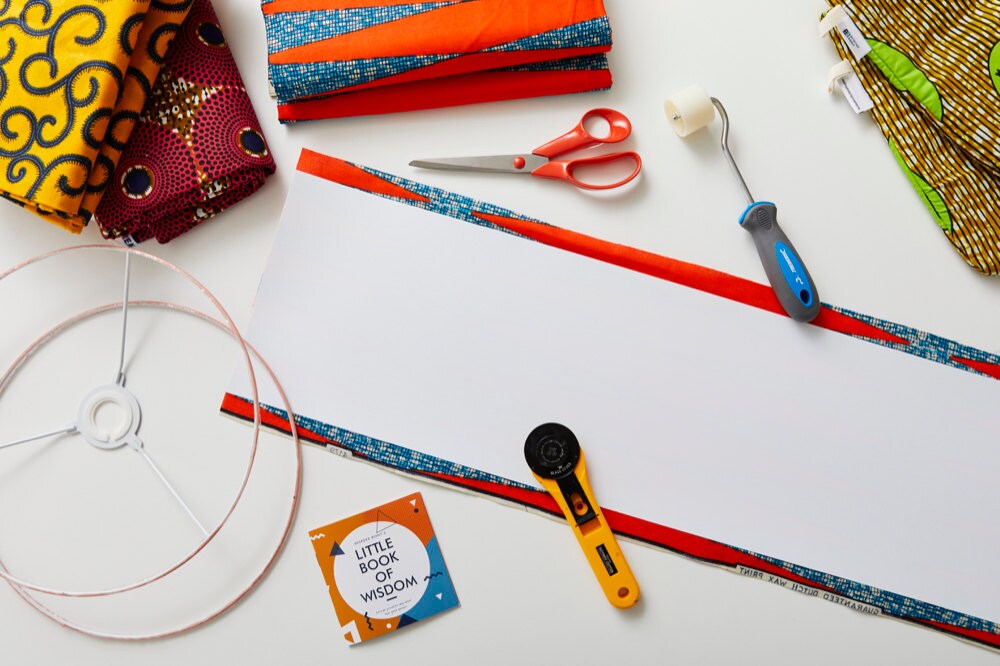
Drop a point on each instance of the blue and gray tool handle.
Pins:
(785, 270)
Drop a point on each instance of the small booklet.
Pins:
(384, 568)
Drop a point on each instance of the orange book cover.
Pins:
(384, 569)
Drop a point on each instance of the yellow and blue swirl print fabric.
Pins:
(62, 67)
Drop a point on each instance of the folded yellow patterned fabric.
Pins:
(62, 68)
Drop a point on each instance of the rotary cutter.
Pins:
(554, 456)
(691, 110)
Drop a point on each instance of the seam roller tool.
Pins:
(555, 458)
(691, 110)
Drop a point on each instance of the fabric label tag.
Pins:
(853, 37)
(855, 92)
(860, 607)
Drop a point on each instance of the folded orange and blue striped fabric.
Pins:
(332, 58)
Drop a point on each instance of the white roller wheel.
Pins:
(689, 110)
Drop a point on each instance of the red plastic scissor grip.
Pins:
(579, 138)
(563, 170)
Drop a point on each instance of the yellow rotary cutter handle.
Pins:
(554, 456)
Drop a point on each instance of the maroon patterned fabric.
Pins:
(198, 147)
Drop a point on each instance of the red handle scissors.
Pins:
(541, 161)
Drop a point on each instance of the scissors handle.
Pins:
(578, 138)
(564, 169)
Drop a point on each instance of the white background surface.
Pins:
(456, 341)
(526, 593)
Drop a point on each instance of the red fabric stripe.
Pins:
(972, 634)
(689, 275)
(835, 321)
(621, 523)
(339, 171)
(630, 526)
(991, 369)
(243, 409)
(447, 91)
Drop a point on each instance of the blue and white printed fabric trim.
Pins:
(592, 63)
(595, 32)
(889, 603)
(297, 81)
(392, 455)
(925, 345)
(286, 30)
(451, 204)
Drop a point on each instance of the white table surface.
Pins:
(526, 593)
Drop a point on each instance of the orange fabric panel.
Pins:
(459, 28)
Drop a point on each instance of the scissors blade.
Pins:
(490, 163)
